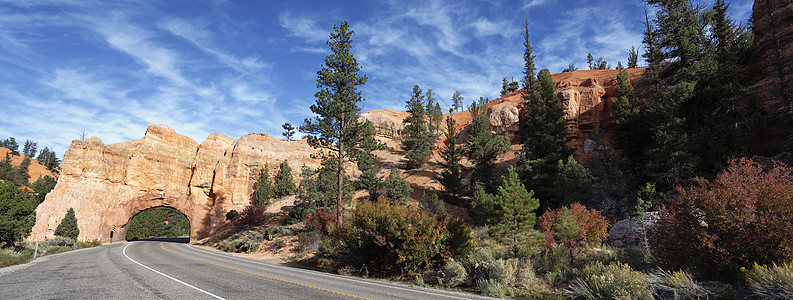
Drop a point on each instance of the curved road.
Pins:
(166, 269)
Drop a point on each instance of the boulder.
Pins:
(504, 117)
(628, 232)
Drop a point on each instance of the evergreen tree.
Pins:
(30, 148)
(430, 106)
(589, 60)
(483, 146)
(21, 177)
(570, 68)
(542, 132)
(289, 131)
(633, 58)
(265, 190)
(418, 142)
(41, 187)
(514, 225)
(336, 129)
(366, 164)
(437, 116)
(11, 144)
(17, 214)
(284, 185)
(457, 101)
(451, 177)
(68, 226)
(395, 188)
(507, 87)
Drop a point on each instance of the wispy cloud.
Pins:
(303, 27)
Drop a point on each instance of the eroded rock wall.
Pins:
(108, 184)
(773, 29)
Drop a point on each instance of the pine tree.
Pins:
(570, 68)
(336, 129)
(30, 148)
(483, 146)
(11, 144)
(418, 142)
(41, 187)
(516, 223)
(284, 184)
(451, 177)
(17, 213)
(430, 106)
(264, 188)
(457, 102)
(289, 131)
(395, 188)
(366, 164)
(633, 58)
(542, 132)
(68, 226)
(21, 178)
(437, 116)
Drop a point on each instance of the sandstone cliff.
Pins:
(108, 184)
(773, 30)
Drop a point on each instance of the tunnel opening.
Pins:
(160, 222)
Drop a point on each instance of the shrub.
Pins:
(94, 243)
(232, 215)
(238, 243)
(614, 281)
(775, 282)
(272, 232)
(10, 257)
(714, 227)
(676, 285)
(592, 226)
(252, 215)
(320, 219)
(494, 288)
(452, 274)
(308, 241)
(394, 239)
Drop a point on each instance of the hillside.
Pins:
(35, 170)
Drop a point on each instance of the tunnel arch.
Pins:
(159, 221)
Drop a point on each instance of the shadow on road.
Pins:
(183, 240)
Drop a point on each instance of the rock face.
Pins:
(108, 184)
(773, 29)
(387, 123)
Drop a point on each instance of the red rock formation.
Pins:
(108, 184)
(773, 29)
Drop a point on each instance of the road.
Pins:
(170, 269)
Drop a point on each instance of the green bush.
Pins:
(392, 239)
(775, 282)
(17, 213)
(9, 257)
(239, 243)
(494, 288)
(452, 274)
(68, 226)
(614, 281)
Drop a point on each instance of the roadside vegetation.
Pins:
(705, 222)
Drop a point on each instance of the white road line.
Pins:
(169, 277)
(327, 275)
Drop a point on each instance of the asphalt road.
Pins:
(170, 269)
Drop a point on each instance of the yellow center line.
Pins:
(265, 276)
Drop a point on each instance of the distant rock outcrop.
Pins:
(108, 184)
(773, 30)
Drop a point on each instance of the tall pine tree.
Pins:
(451, 177)
(418, 141)
(483, 146)
(336, 128)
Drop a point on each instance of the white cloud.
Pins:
(532, 3)
(303, 27)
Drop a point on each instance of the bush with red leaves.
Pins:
(321, 219)
(252, 215)
(592, 226)
(744, 215)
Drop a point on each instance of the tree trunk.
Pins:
(339, 173)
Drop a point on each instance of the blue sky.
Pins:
(234, 67)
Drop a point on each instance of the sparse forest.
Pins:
(673, 199)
